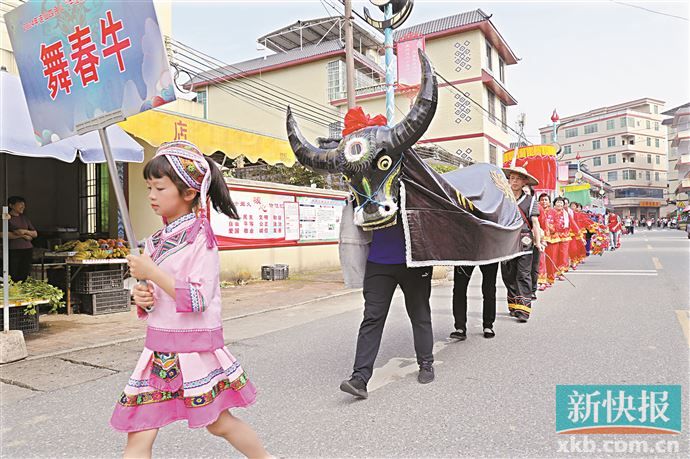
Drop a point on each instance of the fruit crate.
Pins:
(98, 281)
(274, 272)
(105, 302)
(20, 321)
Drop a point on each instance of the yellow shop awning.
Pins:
(158, 126)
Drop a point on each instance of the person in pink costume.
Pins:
(185, 371)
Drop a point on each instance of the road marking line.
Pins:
(611, 274)
(615, 271)
(657, 263)
(398, 368)
(684, 319)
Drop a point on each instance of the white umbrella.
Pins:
(18, 138)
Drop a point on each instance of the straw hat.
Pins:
(522, 171)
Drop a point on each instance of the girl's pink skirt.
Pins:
(168, 387)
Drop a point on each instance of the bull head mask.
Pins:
(370, 159)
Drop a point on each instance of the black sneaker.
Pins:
(489, 332)
(426, 373)
(459, 334)
(534, 297)
(355, 386)
(521, 316)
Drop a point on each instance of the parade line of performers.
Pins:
(557, 236)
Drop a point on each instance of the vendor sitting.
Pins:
(21, 233)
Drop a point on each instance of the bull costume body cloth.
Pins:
(185, 370)
(517, 272)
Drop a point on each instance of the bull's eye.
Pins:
(385, 163)
(356, 149)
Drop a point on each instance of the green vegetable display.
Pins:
(33, 290)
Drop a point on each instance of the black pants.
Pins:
(517, 277)
(20, 263)
(461, 279)
(380, 282)
(536, 255)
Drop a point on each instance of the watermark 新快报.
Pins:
(615, 409)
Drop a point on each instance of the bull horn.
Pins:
(306, 153)
(411, 128)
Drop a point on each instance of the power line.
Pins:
(251, 97)
(491, 115)
(262, 90)
(212, 62)
(650, 10)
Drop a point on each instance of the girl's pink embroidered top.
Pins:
(191, 322)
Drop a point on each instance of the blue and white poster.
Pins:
(81, 60)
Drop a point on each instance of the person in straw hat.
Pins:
(517, 273)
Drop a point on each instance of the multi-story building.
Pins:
(471, 121)
(678, 155)
(624, 145)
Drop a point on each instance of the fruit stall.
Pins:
(94, 273)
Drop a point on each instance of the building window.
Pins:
(335, 130)
(623, 121)
(631, 122)
(572, 132)
(649, 124)
(492, 154)
(543, 138)
(202, 98)
(489, 57)
(501, 70)
(632, 158)
(649, 141)
(629, 174)
(492, 106)
(612, 159)
(610, 124)
(656, 125)
(656, 143)
(649, 159)
(656, 176)
(596, 161)
(656, 109)
(93, 198)
(567, 149)
(612, 176)
(504, 117)
(591, 128)
(648, 175)
(611, 142)
(658, 159)
(596, 175)
(336, 80)
(596, 144)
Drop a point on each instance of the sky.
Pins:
(574, 56)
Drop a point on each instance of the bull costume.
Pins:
(399, 203)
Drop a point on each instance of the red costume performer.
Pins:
(544, 280)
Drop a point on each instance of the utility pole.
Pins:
(349, 56)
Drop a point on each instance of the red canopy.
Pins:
(540, 161)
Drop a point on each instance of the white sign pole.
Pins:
(5, 269)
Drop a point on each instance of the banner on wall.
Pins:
(271, 219)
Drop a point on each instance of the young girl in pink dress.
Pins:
(185, 371)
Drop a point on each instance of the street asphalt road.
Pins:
(624, 322)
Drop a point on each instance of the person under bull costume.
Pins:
(398, 203)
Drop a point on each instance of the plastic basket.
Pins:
(274, 272)
(105, 302)
(98, 281)
(20, 321)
